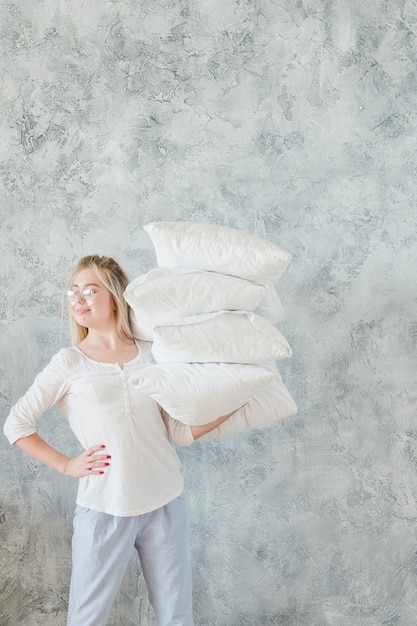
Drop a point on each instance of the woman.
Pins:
(130, 488)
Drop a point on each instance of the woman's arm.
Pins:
(49, 386)
(199, 431)
(183, 434)
(87, 464)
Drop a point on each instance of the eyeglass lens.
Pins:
(87, 296)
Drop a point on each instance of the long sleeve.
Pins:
(48, 387)
(179, 433)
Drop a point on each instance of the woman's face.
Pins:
(93, 311)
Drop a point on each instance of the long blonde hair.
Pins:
(115, 280)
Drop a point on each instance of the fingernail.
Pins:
(106, 464)
(108, 456)
(102, 446)
(101, 472)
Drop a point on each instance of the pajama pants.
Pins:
(102, 546)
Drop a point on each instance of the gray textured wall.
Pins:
(294, 120)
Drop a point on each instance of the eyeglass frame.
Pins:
(85, 295)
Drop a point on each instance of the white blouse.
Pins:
(103, 407)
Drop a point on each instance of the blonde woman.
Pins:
(131, 488)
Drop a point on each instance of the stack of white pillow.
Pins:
(210, 309)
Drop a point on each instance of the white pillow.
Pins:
(270, 306)
(164, 295)
(269, 405)
(196, 393)
(217, 248)
(221, 337)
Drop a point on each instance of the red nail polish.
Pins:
(108, 456)
(106, 464)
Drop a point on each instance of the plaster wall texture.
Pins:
(293, 120)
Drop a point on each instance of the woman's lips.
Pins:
(81, 311)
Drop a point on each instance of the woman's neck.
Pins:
(108, 348)
(108, 340)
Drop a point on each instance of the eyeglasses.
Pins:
(86, 295)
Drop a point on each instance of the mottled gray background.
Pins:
(291, 119)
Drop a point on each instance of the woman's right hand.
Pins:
(89, 463)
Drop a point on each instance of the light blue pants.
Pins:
(101, 548)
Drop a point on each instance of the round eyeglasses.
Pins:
(86, 295)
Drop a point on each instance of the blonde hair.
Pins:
(115, 280)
